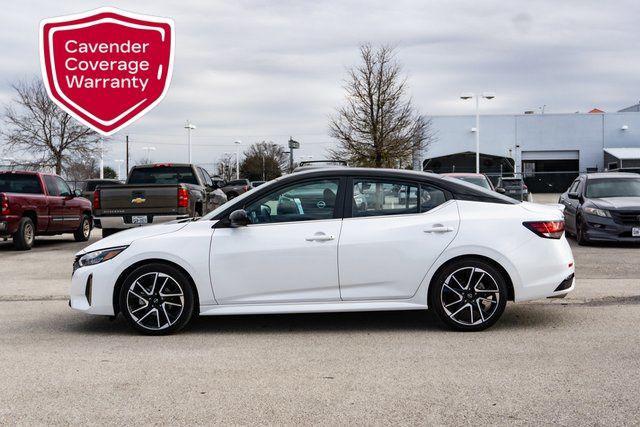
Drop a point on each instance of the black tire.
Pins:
(24, 237)
(83, 232)
(106, 232)
(581, 238)
(475, 308)
(157, 294)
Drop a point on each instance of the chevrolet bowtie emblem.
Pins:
(138, 200)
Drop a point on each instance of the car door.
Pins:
(391, 240)
(56, 204)
(570, 206)
(71, 206)
(289, 252)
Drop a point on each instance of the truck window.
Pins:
(52, 185)
(18, 183)
(206, 177)
(163, 175)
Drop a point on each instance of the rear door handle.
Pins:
(438, 229)
(320, 237)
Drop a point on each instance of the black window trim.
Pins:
(337, 212)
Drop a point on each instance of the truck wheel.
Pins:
(83, 232)
(25, 235)
(106, 232)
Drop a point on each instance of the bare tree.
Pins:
(263, 161)
(35, 126)
(227, 167)
(378, 125)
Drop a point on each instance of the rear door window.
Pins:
(19, 183)
(52, 185)
(376, 197)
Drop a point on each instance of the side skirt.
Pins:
(318, 307)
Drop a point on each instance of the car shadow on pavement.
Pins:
(37, 244)
(525, 316)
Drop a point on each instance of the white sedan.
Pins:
(303, 243)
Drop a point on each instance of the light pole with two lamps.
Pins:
(485, 95)
(189, 127)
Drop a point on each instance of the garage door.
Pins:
(551, 155)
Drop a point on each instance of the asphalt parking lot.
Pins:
(550, 361)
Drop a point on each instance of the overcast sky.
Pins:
(264, 70)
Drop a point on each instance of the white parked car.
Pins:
(301, 243)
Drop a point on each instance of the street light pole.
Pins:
(119, 162)
(101, 158)
(149, 150)
(189, 127)
(485, 95)
(238, 158)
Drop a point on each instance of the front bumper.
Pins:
(122, 222)
(92, 291)
(608, 230)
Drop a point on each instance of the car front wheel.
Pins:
(157, 299)
(469, 295)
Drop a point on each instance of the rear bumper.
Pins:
(118, 222)
(8, 224)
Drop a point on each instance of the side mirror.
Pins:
(239, 218)
(77, 193)
(501, 190)
(574, 196)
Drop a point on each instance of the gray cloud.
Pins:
(254, 70)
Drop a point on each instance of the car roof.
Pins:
(611, 175)
(464, 174)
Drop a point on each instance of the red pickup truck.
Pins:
(33, 204)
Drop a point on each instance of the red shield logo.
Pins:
(107, 67)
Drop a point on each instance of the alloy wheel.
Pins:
(470, 296)
(86, 228)
(155, 301)
(28, 233)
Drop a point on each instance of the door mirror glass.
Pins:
(77, 193)
(239, 218)
(574, 196)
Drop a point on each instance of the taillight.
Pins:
(547, 229)
(4, 205)
(96, 199)
(183, 197)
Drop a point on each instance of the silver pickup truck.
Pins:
(153, 194)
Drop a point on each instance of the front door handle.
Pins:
(438, 229)
(320, 237)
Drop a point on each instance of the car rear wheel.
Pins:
(83, 232)
(24, 237)
(468, 295)
(157, 299)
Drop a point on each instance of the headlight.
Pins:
(598, 212)
(96, 257)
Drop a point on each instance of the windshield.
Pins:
(163, 175)
(17, 183)
(477, 180)
(613, 187)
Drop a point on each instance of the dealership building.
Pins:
(548, 150)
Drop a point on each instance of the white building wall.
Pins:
(587, 133)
